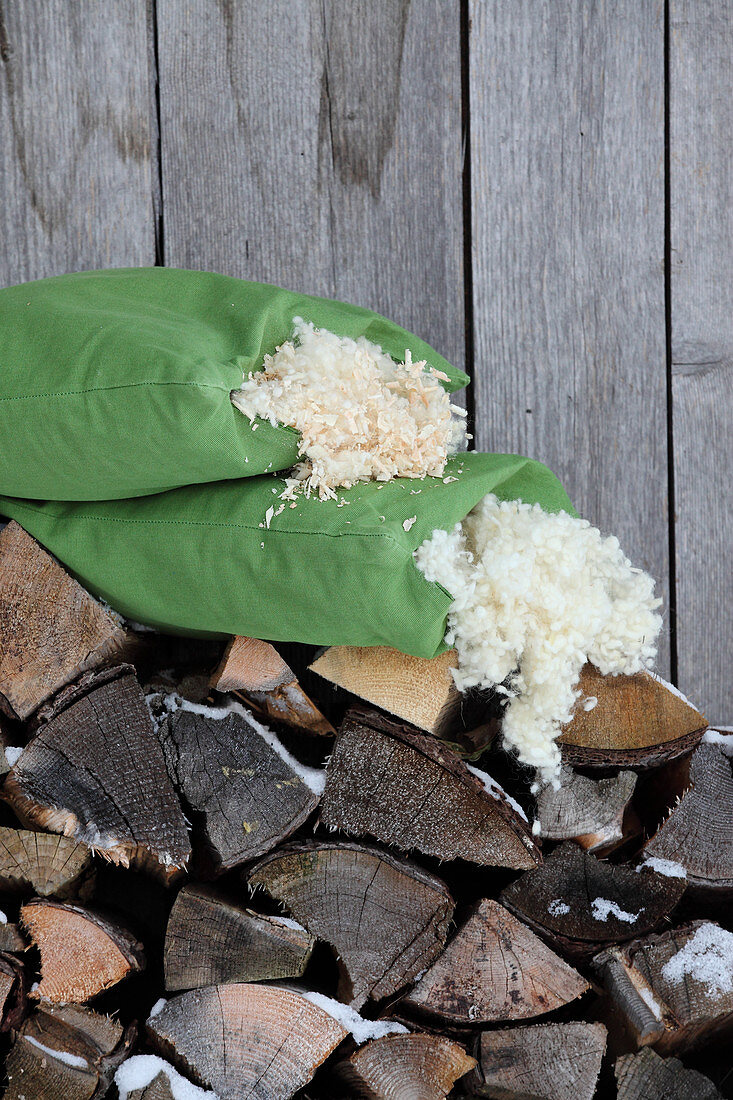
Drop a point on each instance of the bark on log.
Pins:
(416, 689)
(543, 1061)
(209, 941)
(246, 1040)
(42, 863)
(495, 969)
(579, 903)
(255, 671)
(95, 771)
(662, 1009)
(66, 1053)
(408, 790)
(241, 794)
(698, 834)
(387, 919)
(647, 1076)
(82, 953)
(638, 722)
(589, 811)
(50, 627)
(405, 1067)
(13, 992)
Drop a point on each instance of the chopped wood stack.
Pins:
(216, 881)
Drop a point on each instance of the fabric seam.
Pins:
(122, 386)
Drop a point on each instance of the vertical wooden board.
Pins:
(75, 171)
(317, 145)
(701, 167)
(567, 185)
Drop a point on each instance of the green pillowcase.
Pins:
(116, 383)
(213, 559)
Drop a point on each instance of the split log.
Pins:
(387, 919)
(647, 1076)
(42, 863)
(82, 953)
(410, 791)
(66, 1053)
(698, 834)
(51, 629)
(13, 992)
(242, 795)
(209, 941)
(670, 991)
(405, 1066)
(255, 671)
(246, 1039)
(95, 771)
(639, 722)
(579, 903)
(551, 1061)
(11, 940)
(419, 690)
(589, 811)
(495, 969)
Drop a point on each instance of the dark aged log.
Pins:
(387, 919)
(50, 628)
(551, 1061)
(639, 722)
(95, 771)
(246, 1040)
(42, 863)
(243, 796)
(405, 1066)
(589, 811)
(82, 953)
(11, 940)
(495, 969)
(209, 941)
(410, 791)
(13, 992)
(255, 671)
(698, 834)
(669, 991)
(418, 690)
(66, 1053)
(646, 1076)
(579, 903)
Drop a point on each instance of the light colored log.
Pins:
(255, 670)
(82, 953)
(419, 690)
(638, 721)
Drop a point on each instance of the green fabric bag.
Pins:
(214, 559)
(116, 383)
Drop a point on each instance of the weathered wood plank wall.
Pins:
(567, 184)
(309, 144)
(321, 145)
(75, 167)
(701, 268)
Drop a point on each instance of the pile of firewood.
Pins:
(257, 871)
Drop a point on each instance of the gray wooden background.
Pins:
(541, 188)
